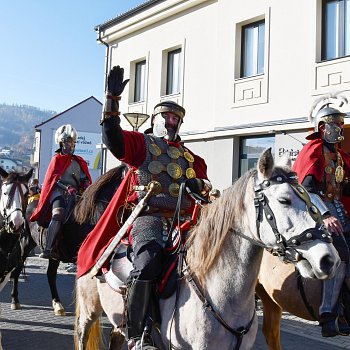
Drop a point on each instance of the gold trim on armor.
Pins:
(174, 170)
(190, 173)
(328, 169)
(155, 167)
(174, 189)
(189, 157)
(173, 152)
(154, 149)
(339, 174)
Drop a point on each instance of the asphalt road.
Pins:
(35, 327)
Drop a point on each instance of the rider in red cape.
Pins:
(324, 170)
(157, 156)
(107, 227)
(66, 175)
(56, 169)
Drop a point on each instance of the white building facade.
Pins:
(247, 72)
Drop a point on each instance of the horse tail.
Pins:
(95, 338)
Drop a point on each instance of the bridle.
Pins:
(286, 249)
(6, 211)
(5, 208)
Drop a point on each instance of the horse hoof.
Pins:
(58, 308)
(15, 306)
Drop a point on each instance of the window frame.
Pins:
(171, 86)
(340, 39)
(258, 45)
(140, 81)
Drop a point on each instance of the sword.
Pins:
(153, 188)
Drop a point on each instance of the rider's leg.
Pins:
(148, 258)
(54, 228)
(329, 306)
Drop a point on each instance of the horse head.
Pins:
(288, 223)
(13, 202)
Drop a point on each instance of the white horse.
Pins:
(13, 201)
(214, 305)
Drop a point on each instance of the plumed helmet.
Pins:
(169, 106)
(325, 110)
(64, 132)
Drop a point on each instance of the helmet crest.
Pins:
(64, 132)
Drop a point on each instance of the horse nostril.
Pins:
(327, 264)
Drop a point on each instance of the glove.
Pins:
(115, 83)
(195, 185)
(71, 191)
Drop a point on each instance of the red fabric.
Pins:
(107, 227)
(105, 230)
(58, 165)
(310, 161)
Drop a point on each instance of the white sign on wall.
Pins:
(86, 148)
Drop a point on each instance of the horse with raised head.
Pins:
(13, 225)
(77, 226)
(214, 303)
(280, 287)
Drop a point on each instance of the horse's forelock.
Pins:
(207, 238)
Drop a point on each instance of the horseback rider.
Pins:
(324, 170)
(157, 155)
(67, 175)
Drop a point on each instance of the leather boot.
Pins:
(138, 303)
(333, 325)
(52, 232)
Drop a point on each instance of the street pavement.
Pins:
(35, 327)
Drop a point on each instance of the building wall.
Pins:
(84, 117)
(220, 106)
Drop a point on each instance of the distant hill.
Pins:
(17, 123)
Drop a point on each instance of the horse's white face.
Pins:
(12, 203)
(290, 207)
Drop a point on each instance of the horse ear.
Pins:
(265, 164)
(3, 173)
(28, 175)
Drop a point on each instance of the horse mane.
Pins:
(90, 206)
(14, 176)
(216, 219)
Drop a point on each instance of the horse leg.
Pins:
(51, 277)
(15, 304)
(87, 330)
(271, 320)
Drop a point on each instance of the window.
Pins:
(173, 72)
(250, 150)
(335, 29)
(253, 43)
(140, 81)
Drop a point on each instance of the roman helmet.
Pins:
(325, 113)
(64, 134)
(158, 122)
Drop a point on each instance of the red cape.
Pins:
(58, 165)
(310, 161)
(107, 227)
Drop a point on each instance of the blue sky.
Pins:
(49, 57)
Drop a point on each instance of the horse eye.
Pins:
(285, 201)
